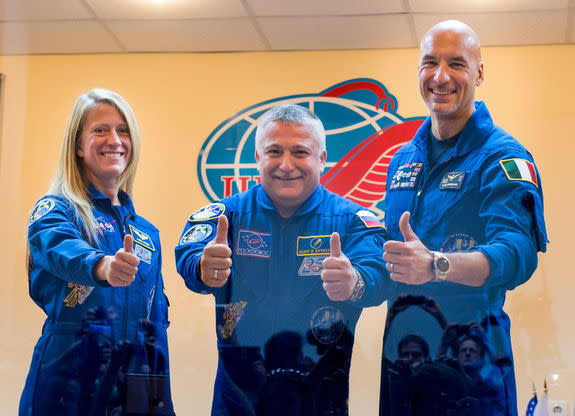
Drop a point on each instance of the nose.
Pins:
(441, 74)
(114, 138)
(286, 163)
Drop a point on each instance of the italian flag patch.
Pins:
(519, 170)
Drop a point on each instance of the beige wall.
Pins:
(180, 98)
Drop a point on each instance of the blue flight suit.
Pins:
(284, 347)
(471, 200)
(89, 321)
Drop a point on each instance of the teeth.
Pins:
(440, 92)
(112, 154)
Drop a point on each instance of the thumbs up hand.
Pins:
(121, 268)
(338, 276)
(408, 261)
(216, 260)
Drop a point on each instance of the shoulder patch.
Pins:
(519, 170)
(368, 218)
(198, 232)
(41, 208)
(209, 212)
(141, 238)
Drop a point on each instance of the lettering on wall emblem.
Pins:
(452, 180)
(406, 175)
(254, 244)
(41, 208)
(232, 315)
(141, 238)
(327, 324)
(77, 295)
(311, 266)
(315, 245)
(209, 212)
(198, 232)
(458, 242)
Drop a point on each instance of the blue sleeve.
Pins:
(512, 213)
(363, 246)
(57, 245)
(195, 236)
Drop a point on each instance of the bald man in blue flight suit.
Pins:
(464, 213)
(290, 264)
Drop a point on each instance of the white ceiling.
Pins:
(123, 26)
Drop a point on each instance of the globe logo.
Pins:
(363, 131)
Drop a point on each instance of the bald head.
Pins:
(456, 30)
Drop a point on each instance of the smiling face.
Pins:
(105, 146)
(450, 69)
(290, 163)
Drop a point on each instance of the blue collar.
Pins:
(310, 204)
(125, 200)
(475, 132)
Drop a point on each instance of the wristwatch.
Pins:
(440, 266)
(359, 288)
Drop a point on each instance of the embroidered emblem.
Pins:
(198, 232)
(315, 245)
(77, 295)
(405, 176)
(452, 180)
(143, 254)
(209, 212)
(105, 226)
(254, 244)
(458, 242)
(232, 314)
(368, 218)
(327, 324)
(41, 208)
(519, 170)
(141, 238)
(311, 266)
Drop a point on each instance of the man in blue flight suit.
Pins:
(464, 212)
(290, 264)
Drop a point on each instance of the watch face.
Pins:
(442, 264)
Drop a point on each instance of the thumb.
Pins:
(335, 245)
(128, 243)
(405, 228)
(222, 231)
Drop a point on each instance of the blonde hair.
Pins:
(70, 179)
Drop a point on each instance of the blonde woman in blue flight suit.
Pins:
(94, 267)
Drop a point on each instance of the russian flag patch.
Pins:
(368, 218)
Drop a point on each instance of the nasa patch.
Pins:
(327, 324)
(105, 226)
(209, 212)
(315, 245)
(254, 244)
(405, 176)
(141, 238)
(41, 208)
(311, 266)
(198, 232)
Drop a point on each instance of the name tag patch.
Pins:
(405, 176)
(143, 254)
(311, 266)
(141, 238)
(315, 245)
(452, 180)
(254, 244)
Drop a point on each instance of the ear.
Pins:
(480, 74)
(257, 156)
(80, 152)
(323, 158)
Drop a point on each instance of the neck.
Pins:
(110, 189)
(444, 127)
(286, 213)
